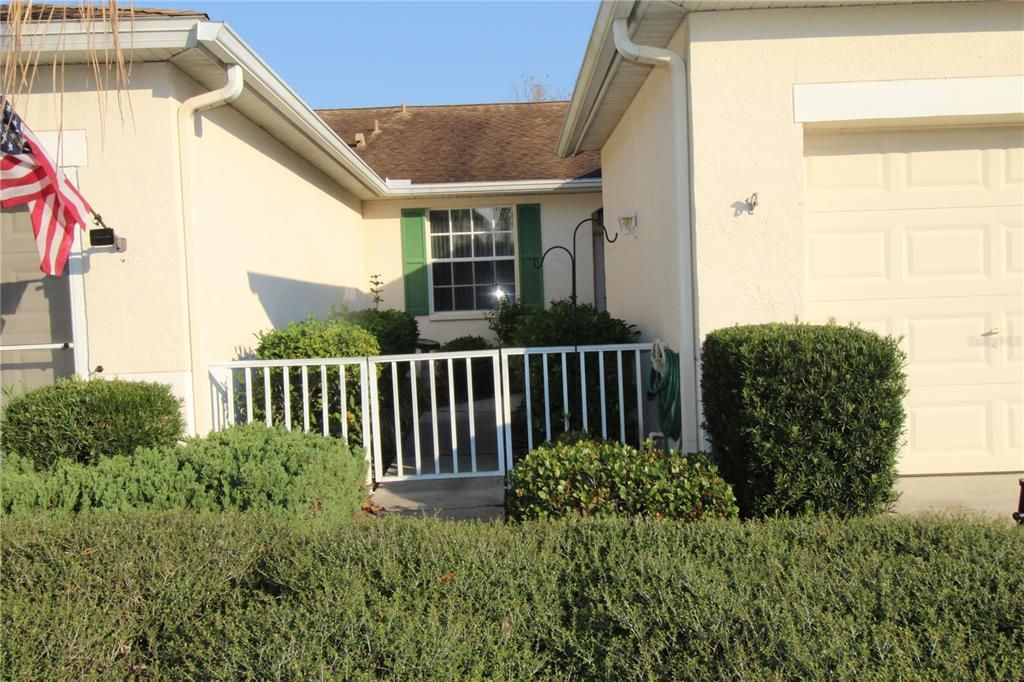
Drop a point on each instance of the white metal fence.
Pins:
(442, 415)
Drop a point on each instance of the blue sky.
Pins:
(357, 54)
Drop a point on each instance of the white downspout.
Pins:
(688, 331)
(189, 272)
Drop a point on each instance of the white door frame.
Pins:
(76, 284)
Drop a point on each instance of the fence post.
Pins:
(499, 411)
(370, 417)
(506, 408)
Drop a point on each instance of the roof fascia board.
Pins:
(599, 63)
(492, 188)
(76, 35)
(220, 43)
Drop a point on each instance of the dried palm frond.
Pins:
(23, 23)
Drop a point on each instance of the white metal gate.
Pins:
(443, 415)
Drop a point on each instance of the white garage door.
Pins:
(920, 234)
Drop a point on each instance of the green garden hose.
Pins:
(664, 385)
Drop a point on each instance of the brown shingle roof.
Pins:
(463, 143)
(74, 12)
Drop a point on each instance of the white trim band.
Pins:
(923, 98)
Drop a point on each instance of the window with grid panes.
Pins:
(472, 258)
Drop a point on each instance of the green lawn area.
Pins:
(184, 595)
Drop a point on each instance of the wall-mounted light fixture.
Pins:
(104, 236)
(627, 224)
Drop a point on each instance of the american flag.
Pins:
(29, 176)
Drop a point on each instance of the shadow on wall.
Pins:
(287, 300)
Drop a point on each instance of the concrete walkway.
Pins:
(454, 498)
(992, 495)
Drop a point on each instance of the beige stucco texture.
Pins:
(134, 302)
(907, 225)
(560, 214)
(743, 67)
(273, 238)
(639, 178)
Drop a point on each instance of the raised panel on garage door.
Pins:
(918, 234)
(35, 309)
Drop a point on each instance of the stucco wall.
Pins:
(637, 165)
(743, 66)
(559, 215)
(275, 238)
(135, 312)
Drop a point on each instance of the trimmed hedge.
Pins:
(805, 418)
(185, 596)
(562, 324)
(468, 342)
(311, 338)
(483, 371)
(244, 468)
(315, 338)
(579, 475)
(396, 331)
(86, 420)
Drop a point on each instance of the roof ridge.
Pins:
(444, 106)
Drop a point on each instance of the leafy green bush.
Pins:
(805, 418)
(86, 420)
(396, 331)
(505, 319)
(580, 475)
(469, 342)
(239, 596)
(311, 338)
(314, 338)
(244, 468)
(563, 325)
(483, 370)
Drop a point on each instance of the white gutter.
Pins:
(224, 47)
(189, 271)
(405, 189)
(599, 63)
(688, 329)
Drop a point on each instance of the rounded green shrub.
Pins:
(468, 342)
(582, 476)
(244, 468)
(562, 324)
(396, 331)
(805, 418)
(313, 338)
(483, 373)
(505, 319)
(86, 420)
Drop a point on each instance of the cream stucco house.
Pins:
(862, 161)
(244, 210)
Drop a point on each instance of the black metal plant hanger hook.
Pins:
(539, 263)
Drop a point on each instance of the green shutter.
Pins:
(531, 278)
(414, 261)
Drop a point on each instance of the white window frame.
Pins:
(476, 313)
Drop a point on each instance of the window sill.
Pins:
(460, 315)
